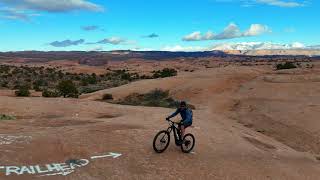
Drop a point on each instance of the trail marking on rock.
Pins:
(114, 155)
(53, 169)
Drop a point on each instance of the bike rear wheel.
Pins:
(161, 141)
(188, 143)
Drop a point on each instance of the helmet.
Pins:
(183, 103)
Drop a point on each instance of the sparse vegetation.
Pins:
(154, 98)
(309, 66)
(47, 79)
(107, 97)
(286, 65)
(4, 117)
(68, 89)
(50, 93)
(23, 91)
(166, 72)
(89, 89)
(41, 78)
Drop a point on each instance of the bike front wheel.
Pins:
(188, 143)
(161, 141)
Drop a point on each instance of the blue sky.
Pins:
(155, 25)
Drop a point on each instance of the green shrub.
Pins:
(145, 77)
(37, 88)
(166, 72)
(40, 82)
(287, 65)
(154, 98)
(50, 93)
(23, 92)
(6, 117)
(68, 89)
(107, 97)
(90, 89)
(4, 84)
(156, 94)
(126, 76)
(89, 80)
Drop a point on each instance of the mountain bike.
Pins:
(162, 139)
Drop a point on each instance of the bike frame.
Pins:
(176, 132)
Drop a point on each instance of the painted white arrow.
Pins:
(111, 154)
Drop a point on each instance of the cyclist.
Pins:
(186, 115)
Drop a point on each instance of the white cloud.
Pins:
(256, 30)
(67, 43)
(280, 3)
(15, 14)
(184, 48)
(115, 41)
(297, 45)
(25, 9)
(230, 32)
(209, 35)
(195, 36)
(53, 5)
(112, 40)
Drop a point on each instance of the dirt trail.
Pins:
(57, 130)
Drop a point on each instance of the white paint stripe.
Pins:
(97, 157)
(111, 154)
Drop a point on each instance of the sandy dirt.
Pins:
(249, 123)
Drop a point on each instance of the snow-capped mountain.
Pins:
(268, 48)
(259, 46)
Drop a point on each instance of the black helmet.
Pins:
(183, 103)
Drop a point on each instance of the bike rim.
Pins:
(162, 141)
(187, 143)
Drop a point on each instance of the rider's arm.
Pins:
(173, 114)
(188, 116)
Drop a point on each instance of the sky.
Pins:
(171, 25)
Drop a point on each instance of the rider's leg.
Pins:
(182, 131)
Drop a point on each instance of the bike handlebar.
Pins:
(171, 121)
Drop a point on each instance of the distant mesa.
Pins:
(100, 58)
(93, 62)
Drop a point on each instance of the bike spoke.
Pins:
(163, 141)
(188, 143)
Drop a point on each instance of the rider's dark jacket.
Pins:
(186, 115)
